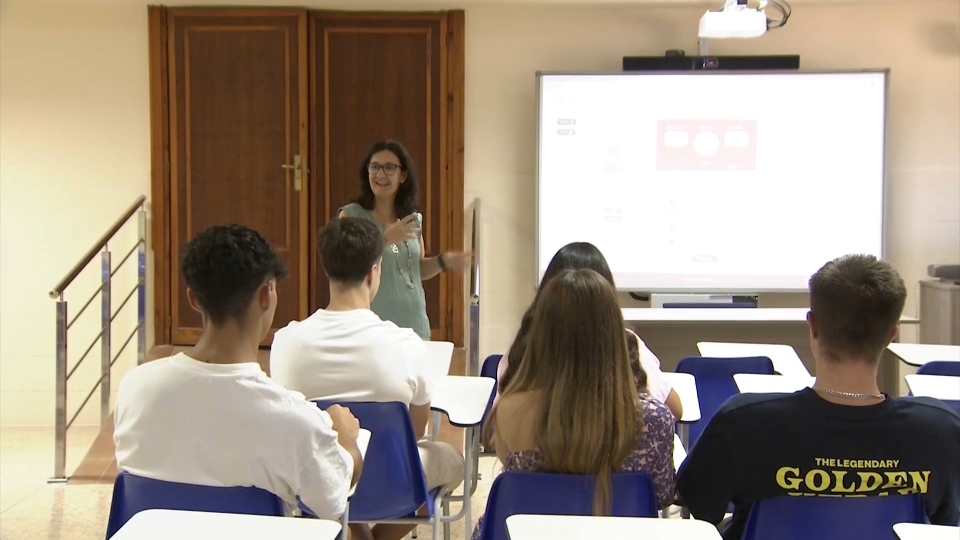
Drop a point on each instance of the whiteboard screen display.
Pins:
(712, 182)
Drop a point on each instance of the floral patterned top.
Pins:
(653, 454)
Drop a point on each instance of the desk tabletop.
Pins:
(918, 354)
(182, 525)
(463, 399)
(935, 386)
(686, 387)
(754, 383)
(538, 527)
(707, 315)
(916, 531)
(785, 359)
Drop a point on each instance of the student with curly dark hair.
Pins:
(388, 197)
(233, 426)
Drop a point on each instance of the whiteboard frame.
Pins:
(885, 201)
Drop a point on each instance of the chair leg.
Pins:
(345, 524)
(436, 425)
(438, 514)
(446, 524)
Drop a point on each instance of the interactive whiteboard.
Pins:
(712, 181)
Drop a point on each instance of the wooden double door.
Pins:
(262, 116)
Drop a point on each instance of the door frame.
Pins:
(451, 167)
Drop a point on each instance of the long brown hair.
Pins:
(577, 360)
(573, 256)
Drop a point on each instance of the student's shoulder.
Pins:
(290, 408)
(148, 371)
(928, 410)
(296, 327)
(755, 405)
(655, 412)
(389, 333)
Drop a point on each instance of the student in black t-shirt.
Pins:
(840, 438)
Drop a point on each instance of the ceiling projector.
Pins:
(735, 20)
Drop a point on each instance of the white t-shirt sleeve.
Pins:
(418, 362)
(326, 469)
(657, 385)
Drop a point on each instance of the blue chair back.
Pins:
(831, 518)
(715, 382)
(489, 369)
(633, 495)
(392, 484)
(940, 367)
(133, 494)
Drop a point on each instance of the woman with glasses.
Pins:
(388, 197)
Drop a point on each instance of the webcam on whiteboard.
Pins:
(739, 20)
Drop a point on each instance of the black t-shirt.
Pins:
(759, 446)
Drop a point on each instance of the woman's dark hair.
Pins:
(405, 202)
(573, 256)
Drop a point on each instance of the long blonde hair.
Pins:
(577, 360)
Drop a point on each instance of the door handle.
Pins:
(297, 169)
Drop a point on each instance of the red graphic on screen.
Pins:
(706, 145)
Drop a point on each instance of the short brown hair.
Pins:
(349, 247)
(856, 302)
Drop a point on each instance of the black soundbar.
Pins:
(697, 63)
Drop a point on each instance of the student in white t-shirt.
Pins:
(210, 416)
(347, 353)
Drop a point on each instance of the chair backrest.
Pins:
(715, 382)
(392, 484)
(940, 367)
(831, 518)
(489, 369)
(633, 495)
(133, 494)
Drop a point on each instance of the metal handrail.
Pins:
(475, 260)
(472, 435)
(473, 353)
(107, 316)
(92, 252)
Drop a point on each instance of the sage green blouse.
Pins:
(400, 298)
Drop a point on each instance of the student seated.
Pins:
(347, 353)
(210, 416)
(573, 406)
(573, 256)
(840, 438)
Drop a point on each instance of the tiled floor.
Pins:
(30, 508)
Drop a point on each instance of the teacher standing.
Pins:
(388, 197)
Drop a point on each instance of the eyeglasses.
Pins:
(387, 168)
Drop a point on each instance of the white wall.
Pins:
(74, 141)
(505, 47)
(74, 153)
